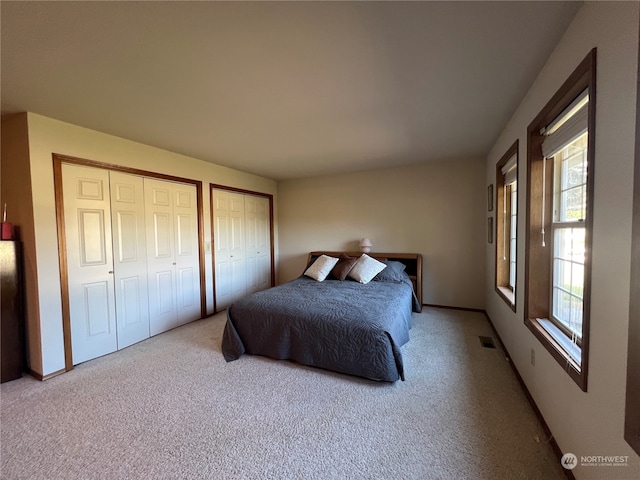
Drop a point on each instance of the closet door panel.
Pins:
(252, 274)
(130, 305)
(164, 293)
(251, 243)
(184, 235)
(264, 272)
(96, 304)
(223, 282)
(238, 278)
(130, 258)
(241, 233)
(126, 234)
(87, 219)
(238, 257)
(237, 219)
(162, 236)
(185, 215)
(258, 243)
(162, 308)
(186, 291)
(160, 255)
(221, 237)
(229, 243)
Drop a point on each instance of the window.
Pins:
(568, 236)
(507, 225)
(560, 170)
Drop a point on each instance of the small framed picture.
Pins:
(490, 197)
(490, 229)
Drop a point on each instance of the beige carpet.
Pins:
(171, 408)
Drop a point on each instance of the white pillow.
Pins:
(321, 267)
(365, 269)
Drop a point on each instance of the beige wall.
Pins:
(589, 423)
(437, 209)
(47, 136)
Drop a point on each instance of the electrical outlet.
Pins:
(533, 357)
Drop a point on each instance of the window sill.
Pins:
(508, 296)
(570, 348)
(567, 354)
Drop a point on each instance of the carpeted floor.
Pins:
(171, 408)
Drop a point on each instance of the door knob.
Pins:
(110, 271)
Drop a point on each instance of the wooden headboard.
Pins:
(412, 261)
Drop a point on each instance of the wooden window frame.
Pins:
(502, 254)
(538, 270)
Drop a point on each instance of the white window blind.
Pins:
(566, 127)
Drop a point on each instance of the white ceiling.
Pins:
(282, 90)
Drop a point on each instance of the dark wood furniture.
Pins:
(12, 320)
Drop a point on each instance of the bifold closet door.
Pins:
(132, 258)
(129, 258)
(242, 245)
(258, 243)
(229, 245)
(87, 222)
(172, 254)
(187, 259)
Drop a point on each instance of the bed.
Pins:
(341, 325)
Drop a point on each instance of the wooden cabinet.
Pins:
(11, 288)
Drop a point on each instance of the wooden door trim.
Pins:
(58, 160)
(62, 259)
(215, 186)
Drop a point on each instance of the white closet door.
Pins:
(160, 255)
(185, 214)
(229, 244)
(238, 248)
(258, 245)
(87, 219)
(222, 248)
(130, 258)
